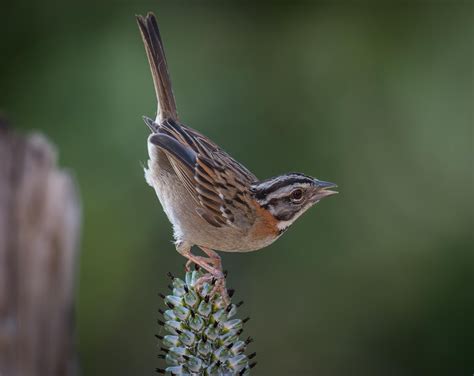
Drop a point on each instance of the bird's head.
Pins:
(288, 196)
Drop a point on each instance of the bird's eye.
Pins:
(296, 195)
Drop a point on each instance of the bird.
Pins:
(213, 201)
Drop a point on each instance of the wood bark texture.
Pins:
(39, 234)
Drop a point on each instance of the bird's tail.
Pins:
(159, 69)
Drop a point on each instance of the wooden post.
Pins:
(39, 233)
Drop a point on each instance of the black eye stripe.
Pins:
(290, 180)
(285, 197)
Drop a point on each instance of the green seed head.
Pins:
(204, 336)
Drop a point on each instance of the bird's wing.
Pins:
(218, 184)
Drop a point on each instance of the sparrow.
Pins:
(213, 201)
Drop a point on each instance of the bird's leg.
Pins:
(220, 286)
(211, 264)
(184, 248)
(203, 259)
(214, 257)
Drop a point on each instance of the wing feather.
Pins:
(217, 183)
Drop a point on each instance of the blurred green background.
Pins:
(377, 98)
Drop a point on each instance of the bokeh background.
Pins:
(378, 98)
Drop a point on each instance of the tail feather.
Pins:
(159, 68)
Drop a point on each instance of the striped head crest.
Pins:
(288, 196)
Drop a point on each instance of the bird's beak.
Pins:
(323, 189)
(150, 123)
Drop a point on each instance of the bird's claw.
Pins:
(219, 282)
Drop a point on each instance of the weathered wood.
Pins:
(39, 233)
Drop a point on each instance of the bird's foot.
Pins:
(221, 289)
(211, 264)
(219, 285)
